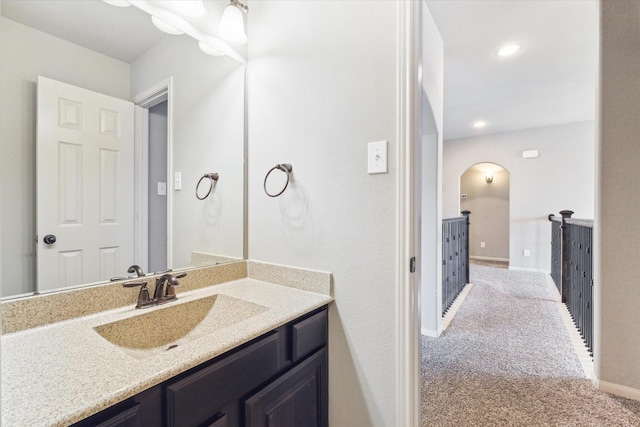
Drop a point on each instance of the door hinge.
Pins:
(412, 265)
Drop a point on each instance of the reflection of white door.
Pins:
(85, 158)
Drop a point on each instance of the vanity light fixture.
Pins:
(232, 23)
(508, 50)
(163, 26)
(489, 178)
(479, 124)
(174, 22)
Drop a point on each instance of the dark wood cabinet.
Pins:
(196, 398)
(278, 380)
(296, 399)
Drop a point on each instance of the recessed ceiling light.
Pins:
(508, 50)
(479, 124)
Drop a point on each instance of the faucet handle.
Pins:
(136, 269)
(170, 291)
(144, 300)
(134, 284)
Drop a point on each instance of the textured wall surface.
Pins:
(322, 84)
(208, 136)
(616, 231)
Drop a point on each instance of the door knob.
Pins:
(49, 239)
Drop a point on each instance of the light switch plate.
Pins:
(377, 157)
(162, 189)
(177, 181)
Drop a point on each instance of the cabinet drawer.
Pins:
(194, 399)
(309, 335)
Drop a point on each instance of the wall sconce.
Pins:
(232, 23)
(488, 178)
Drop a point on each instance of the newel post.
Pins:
(466, 244)
(565, 260)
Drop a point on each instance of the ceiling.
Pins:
(550, 81)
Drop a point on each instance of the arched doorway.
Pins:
(484, 190)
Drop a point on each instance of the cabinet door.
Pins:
(220, 422)
(125, 418)
(195, 398)
(296, 399)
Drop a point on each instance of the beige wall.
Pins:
(616, 230)
(489, 206)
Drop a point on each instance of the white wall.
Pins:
(322, 84)
(430, 270)
(208, 136)
(562, 177)
(616, 230)
(25, 54)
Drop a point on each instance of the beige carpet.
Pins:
(506, 360)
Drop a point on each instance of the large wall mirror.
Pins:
(188, 121)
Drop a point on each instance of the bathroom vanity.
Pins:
(277, 379)
(255, 355)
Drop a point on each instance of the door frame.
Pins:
(154, 95)
(407, 289)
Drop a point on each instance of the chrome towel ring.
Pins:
(284, 167)
(213, 178)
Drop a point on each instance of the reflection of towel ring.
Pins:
(284, 167)
(213, 178)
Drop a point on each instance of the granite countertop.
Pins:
(63, 372)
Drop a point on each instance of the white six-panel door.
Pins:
(85, 196)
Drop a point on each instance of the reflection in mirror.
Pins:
(189, 121)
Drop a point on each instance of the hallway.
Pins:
(506, 359)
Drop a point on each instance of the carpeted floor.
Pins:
(506, 360)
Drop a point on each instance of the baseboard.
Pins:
(431, 332)
(489, 258)
(531, 269)
(617, 389)
(554, 289)
(450, 314)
